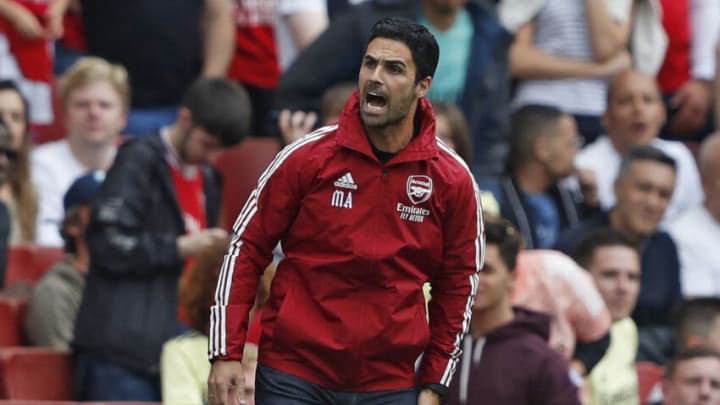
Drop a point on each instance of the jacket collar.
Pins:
(351, 133)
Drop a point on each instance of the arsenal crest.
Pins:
(419, 188)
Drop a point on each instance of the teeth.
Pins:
(374, 94)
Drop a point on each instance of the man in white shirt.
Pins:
(697, 231)
(634, 116)
(95, 97)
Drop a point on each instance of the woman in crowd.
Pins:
(18, 194)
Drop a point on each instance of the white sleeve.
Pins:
(285, 7)
(50, 206)
(705, 33)
(619, 9)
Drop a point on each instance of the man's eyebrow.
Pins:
(395, 62)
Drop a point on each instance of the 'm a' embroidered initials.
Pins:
(341, 200)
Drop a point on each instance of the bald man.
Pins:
(697, 231)
(634, 116)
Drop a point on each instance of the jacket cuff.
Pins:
(437, 388)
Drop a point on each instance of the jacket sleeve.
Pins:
(552, 384)
(263, 221)
(455, 285)
(118, 236)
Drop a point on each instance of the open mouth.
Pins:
(639, 127)
(374, 102)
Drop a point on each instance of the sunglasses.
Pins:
(10, 154)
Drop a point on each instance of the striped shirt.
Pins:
(561, 30)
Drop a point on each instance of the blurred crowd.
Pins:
(589, 126)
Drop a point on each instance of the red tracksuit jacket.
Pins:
(346, 309)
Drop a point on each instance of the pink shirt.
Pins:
(551, 282)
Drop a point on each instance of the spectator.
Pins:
(693, 377)
(452, 127)
(184, 368)
(18, 193)
(72, 45)
(506, 358)
(614, 263)
(336, 179)
(157, 209)
(255, 62)
(564, 52)
(471, 72)
(685, 79)
(643, 187)
(8, 156)
(634, 116)
(696, 230)
(181, 40)
(299, 22)
(95, 97)
(543, 143)
(552, 283)
(26, 31)
(697, 323)
(55, 300)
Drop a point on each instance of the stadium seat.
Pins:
(241, 167)
(35, 373)
(36, 402)
(29, 262)
(650, 377)
(12, 315)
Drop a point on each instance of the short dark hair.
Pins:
(688, 354)
(527, 125)
(10, 85)
(695, 316)
(423, 46)
(644, 152)
(602, 237)
(221, 107)
(501, 233)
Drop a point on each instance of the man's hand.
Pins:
(294, 125)
(54, 18)
(588, 186)
(226, 384)
(692, 101)
(428, 397)
(193, 244)
(618, 63)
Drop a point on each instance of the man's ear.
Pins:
(422, 87)
(541, 148)
(184, 117)
(72, 227)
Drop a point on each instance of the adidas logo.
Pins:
(346, 181)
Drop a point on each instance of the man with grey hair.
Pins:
(643, 188)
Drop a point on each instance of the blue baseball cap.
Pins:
(83, 189)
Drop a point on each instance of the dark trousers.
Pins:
(97, 379)
(274, 387)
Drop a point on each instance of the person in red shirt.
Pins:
(366, 211)
(687, 73)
